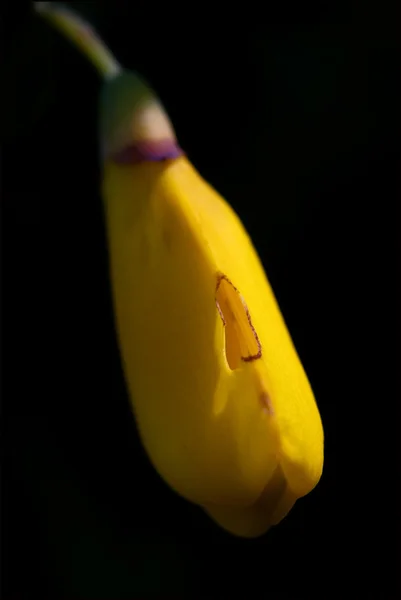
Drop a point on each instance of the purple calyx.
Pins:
(147, 151)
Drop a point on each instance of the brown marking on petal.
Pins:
(252, 357)
(220, 313)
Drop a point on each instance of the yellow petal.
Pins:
(269, 509)
(216, 425)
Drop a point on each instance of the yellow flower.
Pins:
(223, 405)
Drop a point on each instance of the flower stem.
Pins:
(82, 35)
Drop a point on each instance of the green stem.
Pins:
(82, 35)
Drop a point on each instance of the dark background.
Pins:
(294, 120)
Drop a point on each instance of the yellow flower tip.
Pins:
(270, 508)
(290, 481)
(302, 471)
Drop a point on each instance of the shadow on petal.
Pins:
(252, 521)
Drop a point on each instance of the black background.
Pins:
(293, 120)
